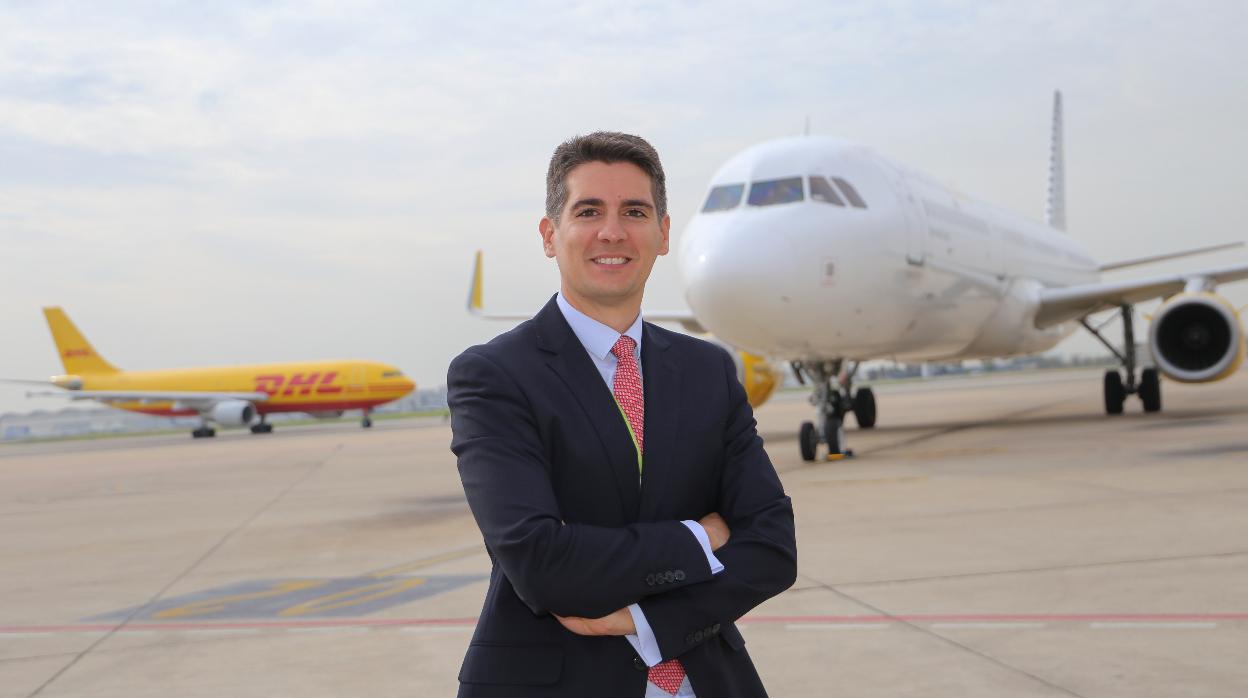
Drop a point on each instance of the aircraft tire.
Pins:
(204, 433)
(864, 408)
(263, 428)
(1150, 390)
(366, 423)
(1115, 394)
(808, 439)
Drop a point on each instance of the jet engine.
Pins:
(67, 382)
(1197, 338)
(756, 374)
(233, 413)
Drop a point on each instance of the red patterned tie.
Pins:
(670, 674)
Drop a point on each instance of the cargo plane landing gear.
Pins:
(1116, 390)
(833, 397)
(203, 431)
(262, 427)
(367, 421)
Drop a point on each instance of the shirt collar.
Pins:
(596, 337)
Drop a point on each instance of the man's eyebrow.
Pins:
(638, 203)
(588, 202)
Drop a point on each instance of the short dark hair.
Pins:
(608, 147)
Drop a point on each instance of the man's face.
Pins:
(608, 234)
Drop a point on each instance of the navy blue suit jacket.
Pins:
(550, 473)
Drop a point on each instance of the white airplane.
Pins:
(823, 254)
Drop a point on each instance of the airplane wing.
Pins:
(1172, 255)
(200, 401)
(1058, 305)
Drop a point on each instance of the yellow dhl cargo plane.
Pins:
(224, 395)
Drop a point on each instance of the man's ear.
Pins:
(665, 228)
(547, 228)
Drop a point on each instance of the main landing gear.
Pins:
(1116, 389)
(833, 397)
(204, 432)
(367, 421)
(262, 427)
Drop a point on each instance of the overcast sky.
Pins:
(212, 183)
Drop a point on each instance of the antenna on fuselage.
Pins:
(1055, 212)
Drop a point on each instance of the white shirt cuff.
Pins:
(705, 541)
(644, 642)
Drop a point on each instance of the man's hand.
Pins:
(716, 529)
(618, 623)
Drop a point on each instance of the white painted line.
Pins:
(1161, 625)
(835, 626)
(991, 626)
(436, 629)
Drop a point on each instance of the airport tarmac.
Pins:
(995, 536)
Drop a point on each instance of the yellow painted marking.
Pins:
(217, 604)
(352, 597)
(425, 562)
(836, 456)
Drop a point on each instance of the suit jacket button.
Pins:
(689, 639)
(715, 628)
(680, 575)
(669, 576)
(699, 636)
(639, 665)
(649, 580)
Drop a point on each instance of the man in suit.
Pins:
(629, 510)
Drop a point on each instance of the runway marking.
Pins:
(1003, 624)
(835, 626)
(1103, 621)
(1163, 626)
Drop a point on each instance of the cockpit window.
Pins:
(392, 374)
(820, 190)
(776, 191)
(723, 197)
(850, 193)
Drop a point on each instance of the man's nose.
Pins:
(611, 230)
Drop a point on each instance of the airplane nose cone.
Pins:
(739, 286)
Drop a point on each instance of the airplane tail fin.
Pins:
(77, 354)
(474, 287)
(1055, 212)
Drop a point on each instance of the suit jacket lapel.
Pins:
(662, 389)
(571, 363)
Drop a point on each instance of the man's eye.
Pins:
(635, 212)
(586, 212)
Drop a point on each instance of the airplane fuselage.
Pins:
(841, 253)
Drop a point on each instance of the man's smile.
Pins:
(611, 261)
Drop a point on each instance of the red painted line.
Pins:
(748, 620)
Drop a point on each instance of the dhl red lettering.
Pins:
(325, 386)
(303, 382)
(270, 384)
(71, 353)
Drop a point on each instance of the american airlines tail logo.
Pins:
(300, 383)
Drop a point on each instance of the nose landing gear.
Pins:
(833, 398)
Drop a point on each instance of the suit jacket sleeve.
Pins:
(565, 568)
(760, 557)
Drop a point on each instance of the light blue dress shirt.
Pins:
(598, 340)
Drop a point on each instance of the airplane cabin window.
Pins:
(776, 191)
(820, 190)
(850, 193)
(723, 197)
